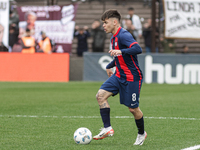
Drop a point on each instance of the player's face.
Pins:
(109, 25)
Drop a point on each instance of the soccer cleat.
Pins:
(140, 138)
(103, 134)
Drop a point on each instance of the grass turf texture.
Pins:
(78, 99)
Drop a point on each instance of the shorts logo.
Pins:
(134, 97)
(133, 104)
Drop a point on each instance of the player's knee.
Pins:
(98, 97)
(133, 110)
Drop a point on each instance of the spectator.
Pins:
(30, 18)
(127, 24)
(185, 49)
(28, 43)
(82, 34)
(168, 45)
(13, 28)
(137, 26)
(45, 45)
(147, 36)
(13, 34)
(17, 47)
(13, 19)
(99, 37)
(3, 48)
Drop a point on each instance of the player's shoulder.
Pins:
(124, 32)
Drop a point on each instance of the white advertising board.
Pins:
(182, 19)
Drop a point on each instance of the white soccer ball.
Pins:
(82, 136)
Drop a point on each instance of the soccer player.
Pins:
(127, 80)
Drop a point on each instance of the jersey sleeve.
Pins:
(128, 41)
(111, 64)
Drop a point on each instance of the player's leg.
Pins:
(102, 97)
(108, 88)
(104, 107)
(129, 96)
(138, 115)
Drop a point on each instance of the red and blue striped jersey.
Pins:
(127, 66)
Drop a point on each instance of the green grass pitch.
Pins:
(44, 116)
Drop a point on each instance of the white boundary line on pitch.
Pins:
(192, 148)
(120, 117)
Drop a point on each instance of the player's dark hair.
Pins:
(130, 8)
(111, 13)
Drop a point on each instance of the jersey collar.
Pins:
(117, 31)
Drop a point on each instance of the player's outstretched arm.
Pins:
(134, 50)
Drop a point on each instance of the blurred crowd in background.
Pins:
(21, 39)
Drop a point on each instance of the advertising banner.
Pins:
(4, 21)
(95, 66)
(32, 68)
(56, 21)
(156, 68)
(182, 19)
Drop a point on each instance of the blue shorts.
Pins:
(129, 91)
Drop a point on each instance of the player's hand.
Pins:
(109, 72)
(114, 52)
